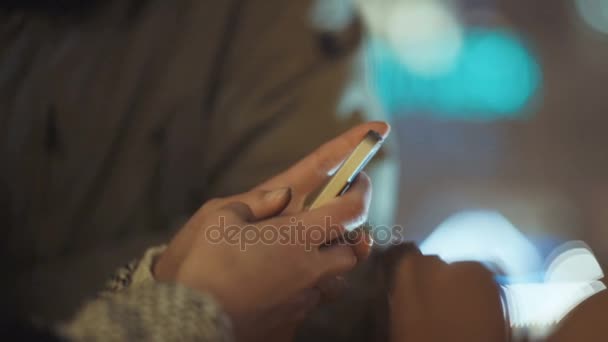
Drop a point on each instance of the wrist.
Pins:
(161, 267)
(135, 273)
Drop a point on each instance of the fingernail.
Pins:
(277, 194)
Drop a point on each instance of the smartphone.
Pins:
(346, 174)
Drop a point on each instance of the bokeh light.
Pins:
(535, 303)
(425, 35)
(571, 262)
(538, 307)
(332, 15)
(484, 236)
(595, 13)
(572, 275)
(494, 77)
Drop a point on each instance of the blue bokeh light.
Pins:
(494, 77)
(485, 236)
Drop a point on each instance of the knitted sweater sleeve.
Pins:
(137, 308)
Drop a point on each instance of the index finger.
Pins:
(314, 168)
(325, 224)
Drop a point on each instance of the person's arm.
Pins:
(171, 293)
(137, 308)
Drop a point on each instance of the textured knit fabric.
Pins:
(150, 312)
(137, 308)
(135, 273)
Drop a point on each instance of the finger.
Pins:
(336, 260)
(265, 204)
(262, 204)
(342, 214)
(314, 168)
(237, 211)
(268, 204)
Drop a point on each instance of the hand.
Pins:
(279, 278)
(435, 301)
(250, 279)
(311, 172)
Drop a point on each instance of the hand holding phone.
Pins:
(346, 174)
(337, 185)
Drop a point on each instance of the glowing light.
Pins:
(332, 15)
(424, 34)
(595, 13)
(493, 77)
(540, 306)
(571, 277)
(572, 273)
(374, 13)
(484, 236)
(573, 261)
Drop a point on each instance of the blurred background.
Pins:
(497, 105)
(499, 112)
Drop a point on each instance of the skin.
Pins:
(587, 322)
(435, 301)
(268, 288)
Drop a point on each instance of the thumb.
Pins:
(265, 204)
